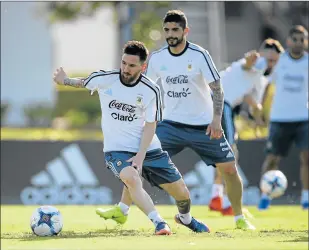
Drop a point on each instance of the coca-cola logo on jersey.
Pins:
(181, 79)
(122, 106)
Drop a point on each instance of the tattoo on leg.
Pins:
(184, 206)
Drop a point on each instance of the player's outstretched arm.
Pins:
(60, 77)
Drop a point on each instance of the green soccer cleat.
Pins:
(244, 224)
(113, 213)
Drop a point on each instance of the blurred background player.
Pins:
(191, 118)
(243, 82)
(134, 114)
(289, 111)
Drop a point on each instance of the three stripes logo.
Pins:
(200, 180)
(68, 179)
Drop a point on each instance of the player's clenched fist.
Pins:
(59, 76)
(251, 58)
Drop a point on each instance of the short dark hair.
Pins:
(136, 48)
(298, 29)
(176, 16)
(270, 43)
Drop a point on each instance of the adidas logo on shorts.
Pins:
(229, 155)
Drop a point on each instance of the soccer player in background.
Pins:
(289, 112)
(243, 81)
(191, 117)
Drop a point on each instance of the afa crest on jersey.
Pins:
(139, 100)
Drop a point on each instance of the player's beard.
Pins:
(128, 79)
(297, 50)
(174, 41)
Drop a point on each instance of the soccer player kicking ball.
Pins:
(243, 81)
(131, 108)
(289, 112)
(191, 118)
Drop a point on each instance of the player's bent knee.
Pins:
(130, 177)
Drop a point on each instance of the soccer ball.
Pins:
(273, 183)
(46, 221)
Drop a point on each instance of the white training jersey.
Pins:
(290, 101)
(125, 109)
(185, 78)
(237, 82)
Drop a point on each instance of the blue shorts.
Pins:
(283, 134)
(158, 167)
(175, 137)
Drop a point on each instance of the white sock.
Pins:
(217, 190)
(155, 217)
(238, 217)
(226, 202)
(124, 208)
(304, 195)
(185, 218)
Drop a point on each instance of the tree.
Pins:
(146, 19)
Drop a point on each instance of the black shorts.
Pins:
(283, 134)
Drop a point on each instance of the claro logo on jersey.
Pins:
(179, 94)
(181, 79)
(130, 109)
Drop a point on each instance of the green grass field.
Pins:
(280, 228)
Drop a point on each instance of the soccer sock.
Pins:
(304, 196)
(185, 218)
(226, 202)
(217, 190)
(155, 217)
(184, 211)
(124, 208)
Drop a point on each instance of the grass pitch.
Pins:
(280, 228)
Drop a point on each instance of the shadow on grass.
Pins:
(107, 233)
(298, 239)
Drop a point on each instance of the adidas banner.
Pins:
(45, 172)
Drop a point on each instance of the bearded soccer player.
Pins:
(131, 106)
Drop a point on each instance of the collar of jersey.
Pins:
(130, 85)
(181, 53)
(296, 59)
